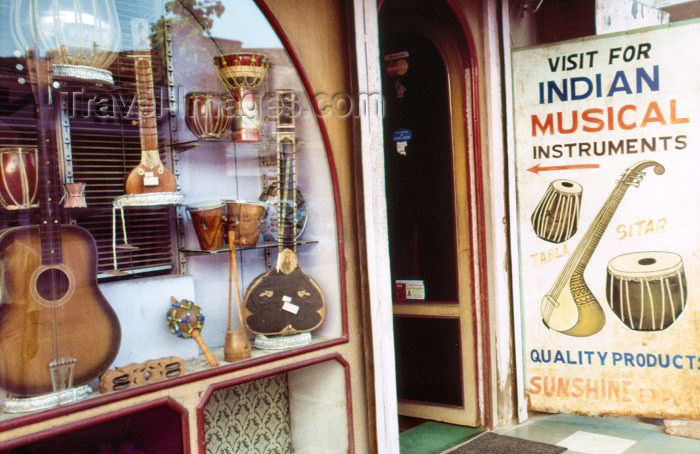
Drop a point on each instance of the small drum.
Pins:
(74, 195)
(20, 183)
(647, 290)
(555, 218)
(246, 220)
(208, 222)
(242, 73)
(208, 114)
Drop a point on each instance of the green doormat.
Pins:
(434, 437)
(492, 443)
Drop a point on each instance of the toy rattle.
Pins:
(185, 320)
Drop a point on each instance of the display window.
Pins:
(168, 201)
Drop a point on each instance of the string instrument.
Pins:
(284, 300)
(150, 175)
(570, 307)
(57, 330)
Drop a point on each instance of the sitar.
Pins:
(570, 307)
(284, 300)
(150, 175)
(57, 330)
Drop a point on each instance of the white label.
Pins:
(150, 180)
(415, 290)
(396, 56)
(401, 148)
(288, 306)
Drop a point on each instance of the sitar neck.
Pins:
(146, 102)
(286, 154)
(583, 252)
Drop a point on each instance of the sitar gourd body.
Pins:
(150, 176)
(285, 300)
(570, 307)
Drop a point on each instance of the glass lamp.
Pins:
(80, 37)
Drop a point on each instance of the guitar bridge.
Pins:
(61, 371)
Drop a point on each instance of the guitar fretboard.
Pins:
(50, 186)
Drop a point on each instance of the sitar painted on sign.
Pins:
(608, 238)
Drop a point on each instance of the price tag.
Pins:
(289, 306)
(415, 290)
(150, 180)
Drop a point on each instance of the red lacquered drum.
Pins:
(242, 73)
(208, 222)
(246, 220)
(20, 183)
(208, 114)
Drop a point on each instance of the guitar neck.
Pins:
(146, 101)
(50, 189)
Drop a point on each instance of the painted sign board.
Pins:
(607, 169)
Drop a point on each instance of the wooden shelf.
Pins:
(262, 245)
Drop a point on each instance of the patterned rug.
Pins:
(492, 443)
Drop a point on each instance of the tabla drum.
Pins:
(20, 183)
(555, 218)
(208, 222)
(647, 290)
(246, 220)
(208, 114)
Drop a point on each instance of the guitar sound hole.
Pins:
(52, 284)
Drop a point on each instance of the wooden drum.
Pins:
(555, 218)
(647, 290)
(20, 183)
(208, 114)
(208, 221)
(246, 220)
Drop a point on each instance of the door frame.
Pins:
(379, 292)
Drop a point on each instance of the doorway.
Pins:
(426, 137)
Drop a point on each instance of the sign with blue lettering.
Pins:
(402, 135)
(606, 160)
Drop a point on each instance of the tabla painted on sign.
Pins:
(607, 166)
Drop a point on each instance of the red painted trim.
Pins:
(141, 390)
(268, 373)
(461, 362)
(329, 154)
(90, 422)
(479, 231)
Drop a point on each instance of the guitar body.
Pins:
(280, 303)
(135, 182)
(54, 311)
(574, 310)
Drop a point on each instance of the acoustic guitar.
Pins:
(57, 330)
(150, 175)
(570, 307)
(284, 300)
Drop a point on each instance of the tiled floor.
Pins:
(605, 435)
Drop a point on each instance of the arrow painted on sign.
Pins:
(537, 169)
